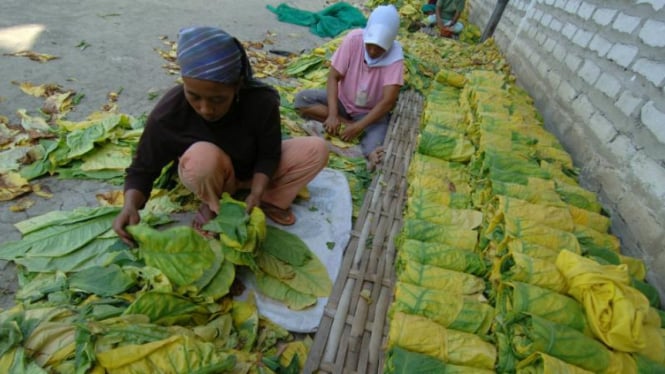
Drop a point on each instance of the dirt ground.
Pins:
(108, 46)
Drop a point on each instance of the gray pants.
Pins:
(373, 135)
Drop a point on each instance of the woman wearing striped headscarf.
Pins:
(222, 127)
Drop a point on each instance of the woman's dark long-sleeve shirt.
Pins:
(249, 133)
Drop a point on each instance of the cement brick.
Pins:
(569, 30)
(625, 23)
(561, 4)
(609, 85)
(652, 33)
(653, 71)
(600, 45)
(642, 224)
(586, 10)
(537, 14)
(603, 128)
(623, 148)
(556, 25)
(611, 181)
(543, 67)
(650, 173)
(589, 72)
(655, 4)
(549, 45)
(623, 54)
(572, 6)
(654, 119)
(628, 103)
(573, 62)
(559, 52)
(545, 21)
(566, 92)
(549, 2)
(583, 107)
(541, 38)
(604, 16)
(582, 38)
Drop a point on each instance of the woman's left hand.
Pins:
(351, 131)
(252, 201)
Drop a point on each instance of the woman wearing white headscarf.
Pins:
(366, 74)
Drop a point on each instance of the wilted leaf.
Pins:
(13, 185)
(22, 205)
(34, 56)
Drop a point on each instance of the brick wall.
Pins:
(596, 69)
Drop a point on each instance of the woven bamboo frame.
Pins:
(353, 330)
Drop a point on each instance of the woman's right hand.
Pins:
(332, 124)
(127, 216)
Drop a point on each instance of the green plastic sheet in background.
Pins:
(329, 22)
(444, 307)
(401, 361)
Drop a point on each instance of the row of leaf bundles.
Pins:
(594, 303)
(531, 344)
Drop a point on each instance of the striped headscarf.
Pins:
(209, 53)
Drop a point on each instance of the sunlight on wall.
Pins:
(19, 38)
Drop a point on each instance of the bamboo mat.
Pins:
(353, 328)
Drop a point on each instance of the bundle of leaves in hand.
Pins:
(240, 234)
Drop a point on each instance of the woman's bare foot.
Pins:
(375, 158)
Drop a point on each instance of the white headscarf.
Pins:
(382, 27)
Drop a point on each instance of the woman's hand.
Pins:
(332, 124)
(127, 216)
(252, 201)
(351, 131)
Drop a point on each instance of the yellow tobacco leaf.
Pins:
(13, 185)
(22, 205)
(34, 56)
(112, 198)
(41, 192)
(43, 90)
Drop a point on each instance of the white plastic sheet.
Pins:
(324, 218)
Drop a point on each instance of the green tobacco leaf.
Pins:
(59, 240)
(96, 253)
(220, 285)
(231, 222)
(246, 321)
(103, 281)
(83, 141)
(286, 246)
(278, 290)
(181, 253)
(58, 217)
(167, 308)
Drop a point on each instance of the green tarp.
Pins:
(328, 22)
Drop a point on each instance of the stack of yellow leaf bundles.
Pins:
(538, 222)
(440, 319)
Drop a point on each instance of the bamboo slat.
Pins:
(353, 330)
